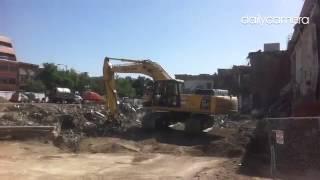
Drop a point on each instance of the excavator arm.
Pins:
(110, 86)
(146, 67)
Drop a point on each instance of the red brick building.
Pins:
(8, 65)
(13, 74)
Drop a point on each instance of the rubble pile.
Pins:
(235, 136)
(27, 115)
(75, 124)
(72, 122)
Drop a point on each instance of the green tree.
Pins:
(97, 85)
(124, 87)
(140, 84)
(49, 75)
(52, 77)
(83, 82)
(34, 86)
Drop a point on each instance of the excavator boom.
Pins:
(146, 67)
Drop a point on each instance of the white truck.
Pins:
(62, 95)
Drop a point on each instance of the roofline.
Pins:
(306, 8)
(29, 64)
(5, 39)
(16, 62)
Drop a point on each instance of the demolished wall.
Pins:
(304, 49)
(270, 72)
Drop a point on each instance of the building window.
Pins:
(12, 68)
(209, 86)
(23, 79)
(4, 67)
(2, 81)
(12, 81)
(8, 57)
(5, 44)
(4, 57)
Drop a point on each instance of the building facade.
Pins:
(304, 49)
(270, 73)
(13, 73)
(193, 82)
(26, 72)
(8, 65)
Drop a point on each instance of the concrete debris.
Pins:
(77, 122)
(72, 122)
(23, 131)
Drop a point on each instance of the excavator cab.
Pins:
(166, 93)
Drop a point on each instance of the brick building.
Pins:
(13, 74)
(270, 73)
(8, 65)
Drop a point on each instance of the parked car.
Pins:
(78, 99)
(19, 97)
(90, 96)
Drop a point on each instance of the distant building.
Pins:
(237, 81)
(269, 47)
(270, 73)
(26, 72)
(224, 79)
(240, 87)
(192, 82)
(13, 74)
(8, 65)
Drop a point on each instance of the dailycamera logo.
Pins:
(273, 20)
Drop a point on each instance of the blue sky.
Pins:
(184, 36)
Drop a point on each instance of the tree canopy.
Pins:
(50, 76)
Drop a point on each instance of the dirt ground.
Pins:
(113, 159)
(129, 153)
(87, 145)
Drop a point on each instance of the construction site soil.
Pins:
(86, 145)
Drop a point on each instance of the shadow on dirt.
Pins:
(256, 160)
(169, 136)
(297, 158)
(181, 143)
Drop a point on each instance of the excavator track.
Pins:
(196, 123)
(155, 120)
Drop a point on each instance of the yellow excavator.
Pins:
(166, 104)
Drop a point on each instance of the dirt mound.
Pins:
(140, 157)
(153, 146)
(3, 100)
(232, 144)
(222, 148)
(107, 145)
(117, 145)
